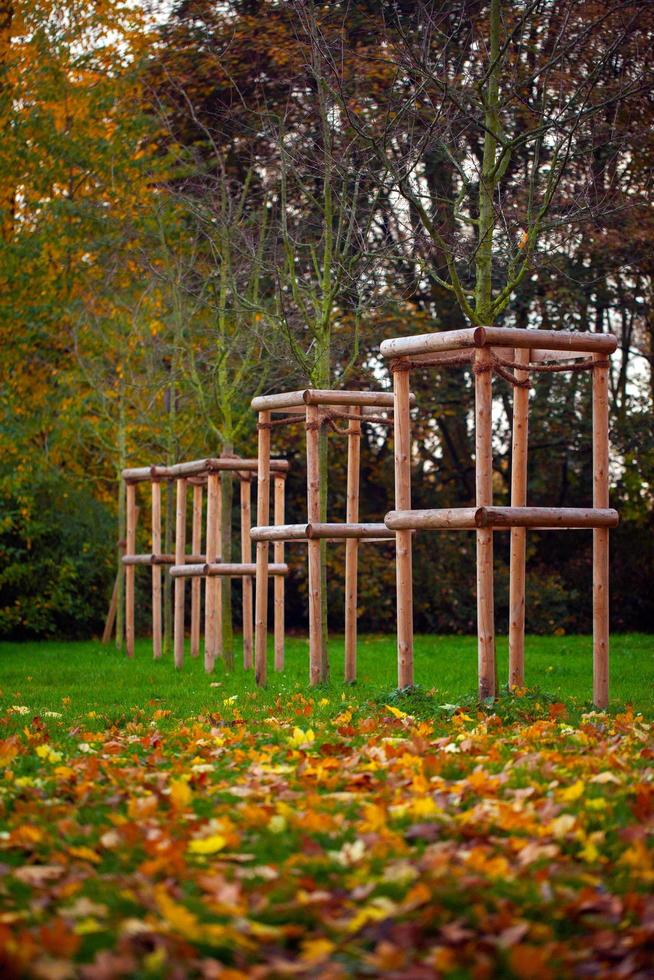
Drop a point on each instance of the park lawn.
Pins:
(155, 824)
(97, 677)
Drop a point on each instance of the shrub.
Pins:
(57, 548)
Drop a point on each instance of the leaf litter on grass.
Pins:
(328, 840)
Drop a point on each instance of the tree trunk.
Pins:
(122, 527)
(322, 379)
(170, 408)
(8, 187)
(488, 180)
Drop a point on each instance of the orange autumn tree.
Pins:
(73, 169)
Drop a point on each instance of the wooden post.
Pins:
(156, 570)
(180, 583)
(352, 545)
(403, 557)
(212, 586)
(317, 663)
(484, 497)
(518, 534)
(246, 558)
(278, 558)
(196, 583)
(220, 554)
(113, 604)
(600, 535)
(130, 549)
(261, 585)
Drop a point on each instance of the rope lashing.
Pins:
(285, 420)
(499, 365)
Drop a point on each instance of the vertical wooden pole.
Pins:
(261, 583)
(180, 583)
(113, 604)
(211, 594)
(518, 534)
(403, 545)
(317, 662)
(196, 583)
(219, 583)
(279, 582)
(352, 545)
(246, 558)
(156, 570)
(484, 481)
(130, 549)
(600, 535)
(131, 512)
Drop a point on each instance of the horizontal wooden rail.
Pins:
(226, 569)
(321, 396)
(555, 340)
(280, 532)
(427, 343)
(548, 517)
(199, 467)
(157, 559)
(357, 531)
(452, 518)
(328, 532)
(472, 518)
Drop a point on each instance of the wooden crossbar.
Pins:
(477, 337)
(333, 532)
(321, 396)
(224, 569)
(471, 518)
(157, 559)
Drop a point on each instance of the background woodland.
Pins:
(223, 199)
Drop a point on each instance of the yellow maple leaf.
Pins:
(64, 772)
(85, 853)
(207, 845)
(396, 711)
(180, 793)
(299, 737)
(589, 852)
(573, 792)
(316, 950)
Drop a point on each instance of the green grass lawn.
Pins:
(94, 677)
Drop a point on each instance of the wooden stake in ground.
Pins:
(246, 558)
(212, 586)
(278, 558)
(180, 554)
(600, 535)
(156, 570)
(263, 516)
(352, 544)
(518, 534)
(317, 658)
(113, 603)
(484, 480)
(130, 549)
(403, 558)
(196, 583)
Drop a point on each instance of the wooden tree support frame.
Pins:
(513, 354)
(198, 566)
(314, 408)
